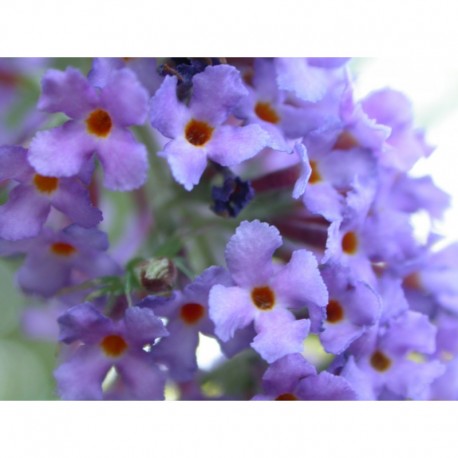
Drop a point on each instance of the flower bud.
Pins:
(157, 275)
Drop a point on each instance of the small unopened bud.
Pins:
(230, 199)
(158, 275)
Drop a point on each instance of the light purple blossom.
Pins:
(264, 292)
(187, 315)
(31, 200)
(200, 131)
(99, 125)
(55, 260)
(393, 357)
(105, 343)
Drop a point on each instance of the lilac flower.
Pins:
(406, 144)
(292, 378)
(412, 194)
(337, 181)
(263, 292)
(99, 124)
(384, 236)
(187, 315)
(266, 105)
(106, 344)
(430, 280)
(197, 131)
(446, 386)
(307, 80)
(353, 307)
(56, 260)
(393, 357)
(31, 200)
(357, 129)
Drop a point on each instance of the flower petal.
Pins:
(216, 91)
(178, 351)
(249, 253)
(143, 326)
(81, 377)
(125, 98)
(139, 379)
(299, 282)
(325, 387)
(186, 161)
(24, 214)
(62, 151)
(83, 322)
(230, 309)
(13, 163)
(231, 145)
(279, 334)
(72, 199)
(42, 274)
(67, 91)
(283, 375)
(124, 161)
(168, 114)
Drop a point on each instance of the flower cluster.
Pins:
(270, 213)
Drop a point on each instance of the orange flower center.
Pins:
(263, 297)
(99, 123)
(63, 249)
(315, 176)
(380, 362)
(46, 185)
(287, 397)
(191, 313)
(350, 243)
(113, 345)
(265, 112)
(198, 132)
(345, 141)
(334, 312)
(412, 281)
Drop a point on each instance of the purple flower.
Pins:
(187, 315)
(99, 124)
(306, 80)
(266, 105)
(337, 180)
(31, 200)
(405, 144)
(430, 280)
(106, 344)
(56, 260)
(263, 292)
(411, 194)
(393, 357)
(446, 386)
(353, 307)
(198, 131)
(292, 378)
